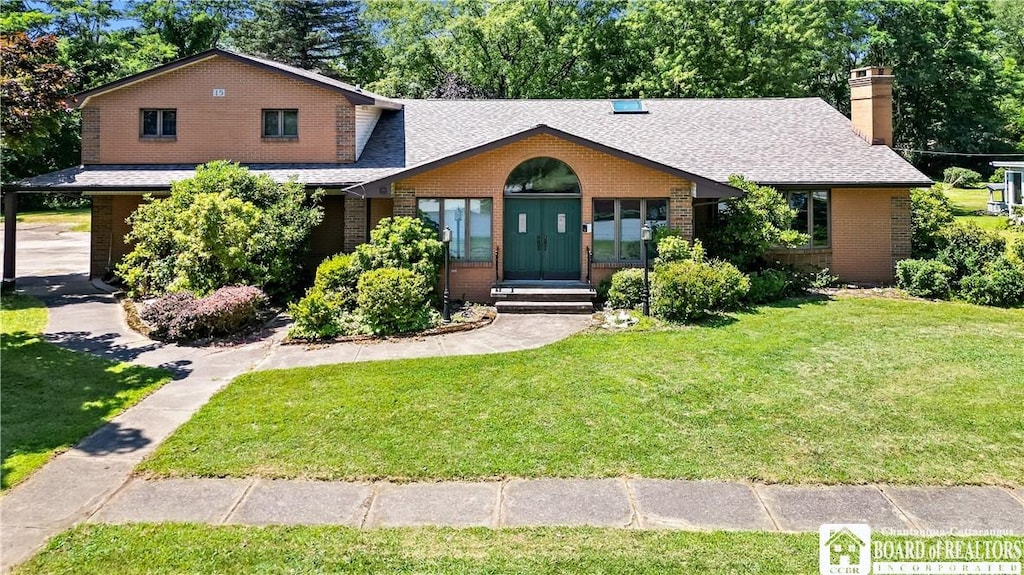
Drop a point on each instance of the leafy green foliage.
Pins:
(326, 309)
(394, 301)
(323, 35)
(222, 227)
(752, 224)
(961, 177)
(690, 290)
(627, 288)
(676, 249)
(1000, 284)
(403, 242)
(189, 27)
(924, 278)
(770, 285)
(930, 211)
(968, 249)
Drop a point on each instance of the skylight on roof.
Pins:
(628, 107)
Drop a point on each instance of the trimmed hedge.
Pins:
(689, 290)
(925, 278)
(394, 300)
(627, 288)
(180, 316)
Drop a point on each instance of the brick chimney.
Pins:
(871, 104)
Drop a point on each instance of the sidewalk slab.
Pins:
(17, 544)
(806, 508)
(452, 504)
(968, 508)
(286, 502)
(65, 490)
(182, 500)
(595, 502)
(134, 434)
(684, 504)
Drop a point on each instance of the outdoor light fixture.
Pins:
(446, 310)
(645, 236)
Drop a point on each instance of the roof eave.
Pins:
(354, 97)
(706, 187)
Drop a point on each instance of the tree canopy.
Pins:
(959, 64)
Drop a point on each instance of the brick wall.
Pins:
(108, 231)
(228, 127)
(811, 259)
(870, 231)
(355, 223)
(483, 175)
(90, 135)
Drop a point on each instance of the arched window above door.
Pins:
(542, 176)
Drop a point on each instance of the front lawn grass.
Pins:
(807, 391)
(189, 548)
(968, 201)
(50, 397)
(80, 219)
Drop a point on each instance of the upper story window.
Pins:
(280, 123)
(812, 216)
(159, 123)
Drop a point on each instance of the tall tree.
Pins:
(1008, 26)
(514, 49)
(190, 26)
(946, 76)
(324, 35)
(32, 89)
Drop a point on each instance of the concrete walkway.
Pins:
(93, 481)
(622, 503)
(83, 318)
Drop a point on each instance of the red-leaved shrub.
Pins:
(223, 312)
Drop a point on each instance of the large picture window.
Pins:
(812, 217)
(617, 226)
(469, 220)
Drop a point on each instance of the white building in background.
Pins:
(1012, 200)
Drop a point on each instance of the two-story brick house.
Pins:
(532, 189)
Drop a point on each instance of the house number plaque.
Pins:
(561, 223)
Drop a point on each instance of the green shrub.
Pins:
(676, 249)
(924, 278)
(998, 176)
(325, 310)
(225, 226)
(1000, 284)
(627, 288)
(393, 300)
(768, 285)
(752, 224)
(1018, 249)
(930, 210)
(961, 177)
(689, 290)
(968, 249)
(404, 243)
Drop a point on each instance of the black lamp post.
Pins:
(645, 236)
(446, 239)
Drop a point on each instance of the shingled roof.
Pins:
(774, 141)
(784, 141)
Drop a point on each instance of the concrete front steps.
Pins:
(544, 297)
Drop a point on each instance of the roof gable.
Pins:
(354, 94)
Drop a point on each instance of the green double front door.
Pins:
(542, 238)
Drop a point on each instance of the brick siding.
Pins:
(212, 128)
(870, 231)
(108, 230)
(355, 223)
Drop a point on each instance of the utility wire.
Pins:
(937, 153)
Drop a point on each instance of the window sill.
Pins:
(471, 263)
(280, 138)
(158, 138)
(621, 264)
(803, 250)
